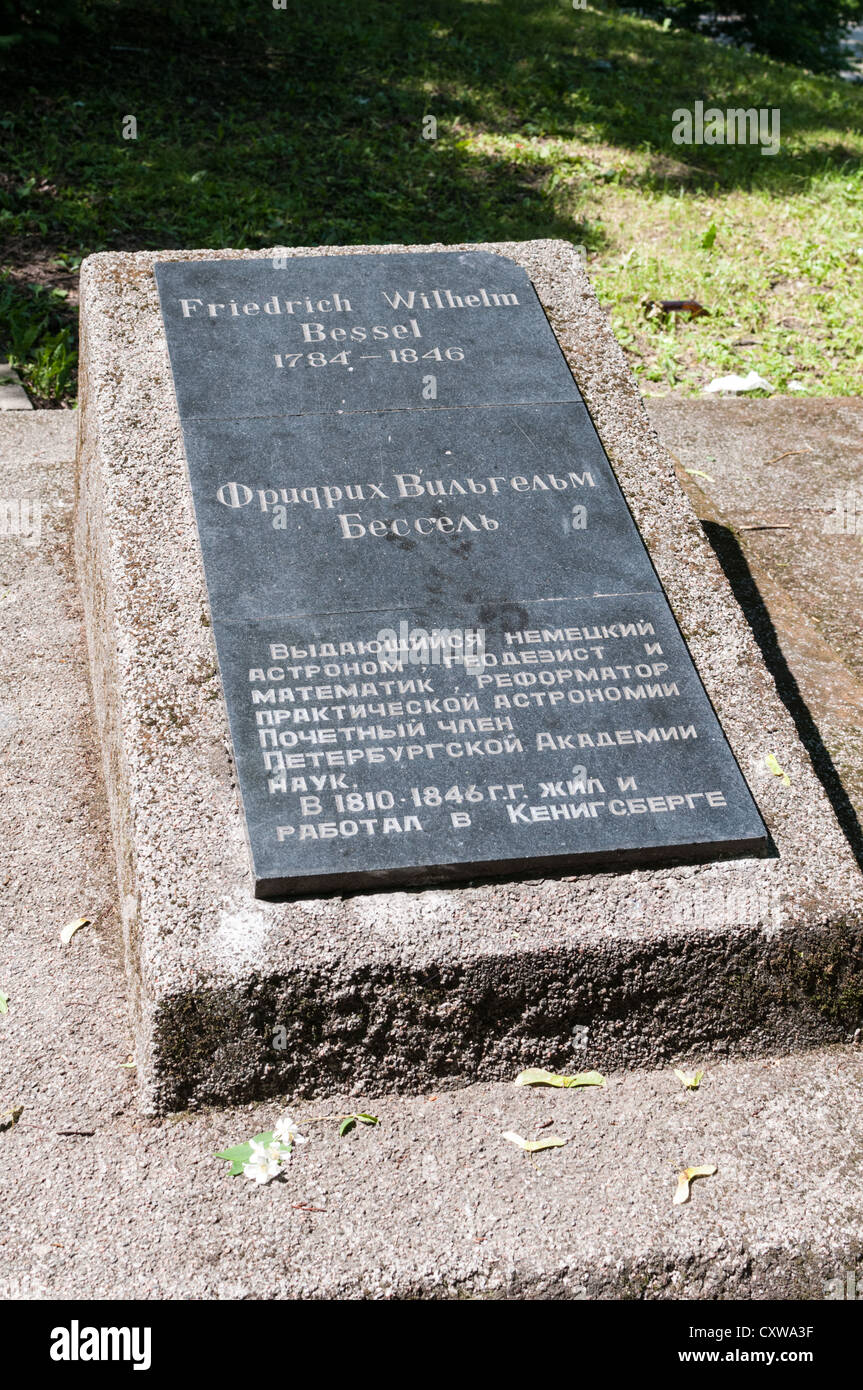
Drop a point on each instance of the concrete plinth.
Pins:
(236, 998)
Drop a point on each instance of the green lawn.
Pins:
(304, 126)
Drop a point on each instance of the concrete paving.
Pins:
(100, 1202)
(778, 485)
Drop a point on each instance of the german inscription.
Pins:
(444, 649)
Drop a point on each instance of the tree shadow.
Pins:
(304, 126)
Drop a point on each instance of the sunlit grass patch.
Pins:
(304, 127)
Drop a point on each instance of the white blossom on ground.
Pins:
(285, 1129)
(265, 1162)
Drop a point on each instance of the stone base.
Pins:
(236, 998)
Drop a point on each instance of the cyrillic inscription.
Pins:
(444, 649)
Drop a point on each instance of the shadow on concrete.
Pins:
(736, 567)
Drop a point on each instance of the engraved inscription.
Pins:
(444, 649)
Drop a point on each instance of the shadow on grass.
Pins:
(303, 126)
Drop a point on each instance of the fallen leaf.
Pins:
(692, 1082)
(660, 308)
(71, 927)
(240, 1154)
(533, 1146)
(4, 1003)
(9, 1118)
(682, 306)
(777, 771)
(685, 1178)
(697, 473)
(362, 1117)
(586, 1078)
(535, 1076)
(129, 1062)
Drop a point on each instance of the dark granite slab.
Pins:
(444, 649)
(409, 318)
(585, 737)
(339, 513)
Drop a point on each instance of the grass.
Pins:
(304, 126)
(38, 335)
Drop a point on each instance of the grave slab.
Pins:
(237, 997)
(462, 477)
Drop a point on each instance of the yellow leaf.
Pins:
(692, 1082)
(9, 1118)
(777, 771)
(685, 1178)
(699, 474)
(71, 927)
(533, 1146)
(536, 1076)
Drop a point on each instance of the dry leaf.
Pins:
(683, 306)
(655, 309)
(533, 1146)
(692, 1082)
(685, 1178)
(9, 1118)
(71, 927)
(699, 473)
(536, 1076)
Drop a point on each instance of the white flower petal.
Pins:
(286, 1130)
